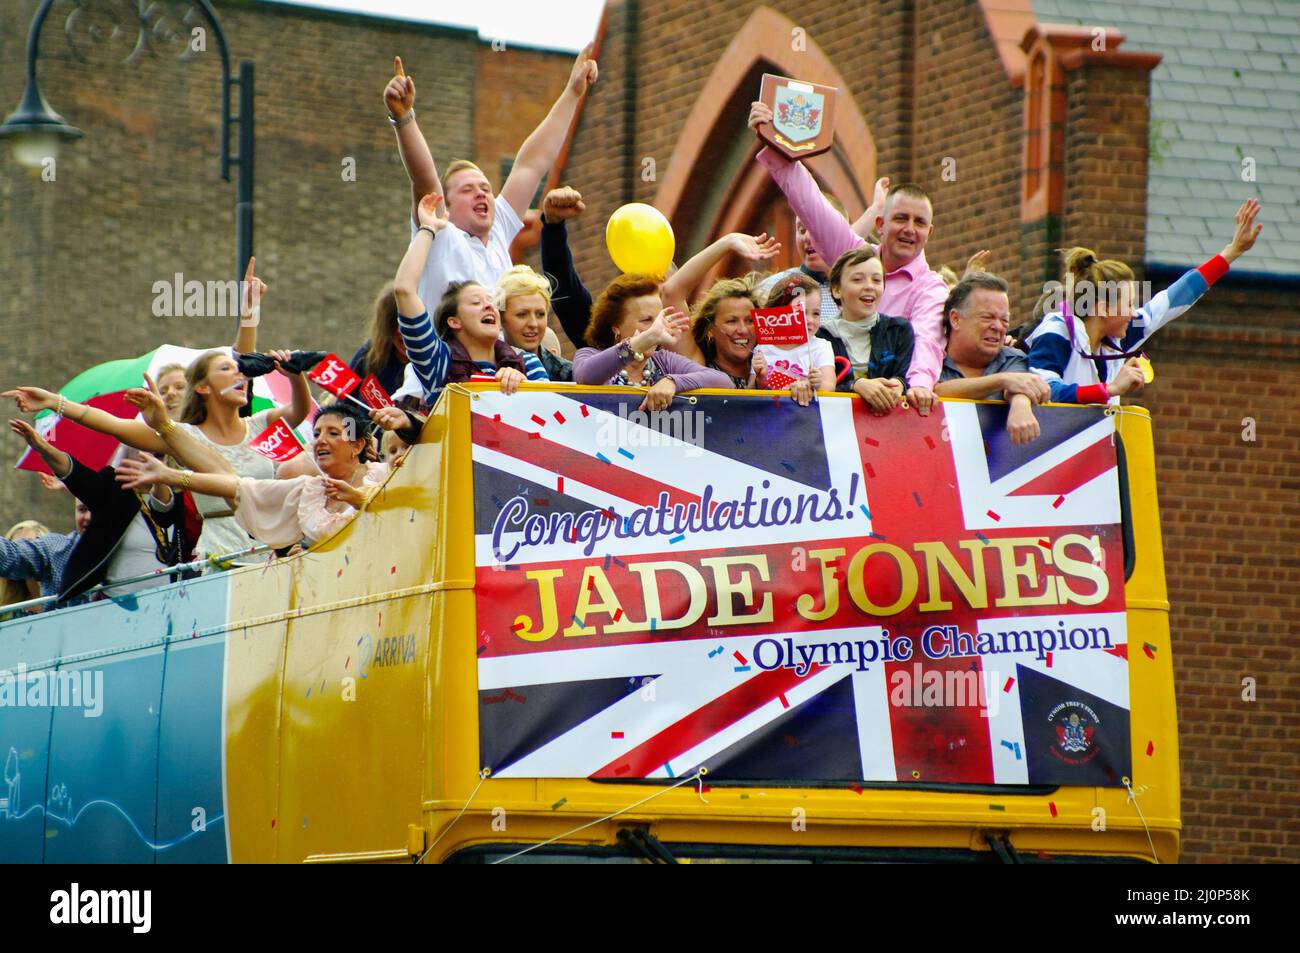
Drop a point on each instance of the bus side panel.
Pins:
(352, 748)
(25, 754)
(191, 812)
(32, 641)
(259, 598)
(103, 770)
(1151, 669)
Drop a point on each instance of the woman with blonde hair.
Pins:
(20, 590)
(722, 329)
(171, 385)
(523, 297)
(1087, 351)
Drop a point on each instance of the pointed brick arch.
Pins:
(766, 40)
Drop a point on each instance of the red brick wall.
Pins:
(1231, 518)
(513, 88)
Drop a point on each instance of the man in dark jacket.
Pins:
(127, 535)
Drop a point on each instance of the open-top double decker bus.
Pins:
(563, 631)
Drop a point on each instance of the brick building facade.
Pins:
(140, 198)
(1050, 139)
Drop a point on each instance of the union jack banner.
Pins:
(812, 595)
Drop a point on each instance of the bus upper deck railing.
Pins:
(14, 608)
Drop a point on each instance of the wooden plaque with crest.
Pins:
(803, 116)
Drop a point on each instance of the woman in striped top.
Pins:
(1087, 351)
(466, 339)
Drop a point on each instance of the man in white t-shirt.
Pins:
(477, 245)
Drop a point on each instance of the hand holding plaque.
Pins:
(797, 119)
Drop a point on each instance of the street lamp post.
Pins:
(35, 131)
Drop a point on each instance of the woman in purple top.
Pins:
(630, 334)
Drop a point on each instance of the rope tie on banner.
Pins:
(456, 388)
(482, 776)
(1133, 799)
(698, 776)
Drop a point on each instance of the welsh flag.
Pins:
(104, 386)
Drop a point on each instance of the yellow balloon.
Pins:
(640, 240)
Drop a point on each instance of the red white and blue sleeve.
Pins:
(1173, 302)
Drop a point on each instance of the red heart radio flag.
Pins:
(373, 392)
(335, 376)
(781, 325)
(277, 442)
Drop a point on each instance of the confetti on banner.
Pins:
(616, 734)
(865, 512)
(789, 466)
(585, 411)
(871, 442)
(1049, 659)
(618, 613)
(718, 651)
(1151, 748)
(916, 496)
(540, 421)
(784, 701)
(601, 457)
(929, 441)
(1149, 649)
(676, 539)
(1007, 687)
(856, 788)
(739, 658)
(982, 538)
(997, 807)
(742, 668)
(993, 516)
(559, 417)
(559, 484)
(559, 804)
(1056, 504)
(1052, 805)
(871, 471)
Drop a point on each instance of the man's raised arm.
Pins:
(399, 97)
(540, 149)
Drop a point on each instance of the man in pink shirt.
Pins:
(912, 290)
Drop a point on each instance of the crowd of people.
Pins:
(187, 486)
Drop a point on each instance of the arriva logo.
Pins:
(103, 906)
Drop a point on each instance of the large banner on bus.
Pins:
(793, 594)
